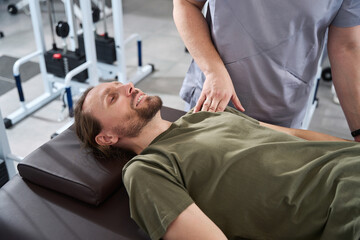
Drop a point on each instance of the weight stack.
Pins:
(55, 63)
(105, 48)
(3, 174)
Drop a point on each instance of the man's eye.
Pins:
(111, 99)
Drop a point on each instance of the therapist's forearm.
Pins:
(346, 78)
(195, 33)
(345, 68)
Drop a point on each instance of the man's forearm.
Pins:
(191, 224)
(345, 68)
(304, 134)
(194, 31)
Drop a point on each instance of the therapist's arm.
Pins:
(344, 56)
(192, 223)
(218, 88)
(304, 134)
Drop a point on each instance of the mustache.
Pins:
(133, 95)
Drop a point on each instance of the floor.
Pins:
(162, 46)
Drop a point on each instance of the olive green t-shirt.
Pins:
(251, 181)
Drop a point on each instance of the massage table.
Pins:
(62, 192)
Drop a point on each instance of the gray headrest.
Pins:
(63, 165)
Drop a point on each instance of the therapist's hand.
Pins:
(217, 91)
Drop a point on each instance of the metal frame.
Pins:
(53, 86)
(5, 152)
(90, 53)
(313, 100)
(311, 105)
(119, 69)
(50, 90)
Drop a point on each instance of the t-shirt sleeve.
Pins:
(156, 196)
(348, 15)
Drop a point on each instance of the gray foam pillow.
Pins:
(63, 165)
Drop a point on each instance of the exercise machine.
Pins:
(55, 84)
(6, 157)
(13, 9)
(110, 51)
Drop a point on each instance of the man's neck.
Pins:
(153, 129)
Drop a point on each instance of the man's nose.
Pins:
(129, 88)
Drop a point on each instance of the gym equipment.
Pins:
(60, 61)
(14, 8)
(313, 101)
(110, 51)
(105, 45)
(6, 157)
(53, 85)
(326, 74)
(56, 65)
(118, 69)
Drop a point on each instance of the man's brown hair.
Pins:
(87, 127)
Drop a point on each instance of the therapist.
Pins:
(263, 55)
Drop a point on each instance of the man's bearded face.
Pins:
(137, 120)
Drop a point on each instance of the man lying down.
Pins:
(223, 175)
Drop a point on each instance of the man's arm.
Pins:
(304, 134)
(218, 88)
(192, 223)
(344, 56)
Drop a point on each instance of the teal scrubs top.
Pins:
(272, 50)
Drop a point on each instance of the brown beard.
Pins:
(136, 122)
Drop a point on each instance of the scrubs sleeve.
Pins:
(156, 196)
(348, 15)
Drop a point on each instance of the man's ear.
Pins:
(105, 139)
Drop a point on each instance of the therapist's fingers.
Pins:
(199, 103)
(206, 105)
(214, 106)
(235, 100)
(221, 106)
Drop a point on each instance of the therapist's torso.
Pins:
(271, 49)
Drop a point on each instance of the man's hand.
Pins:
(217, 91)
